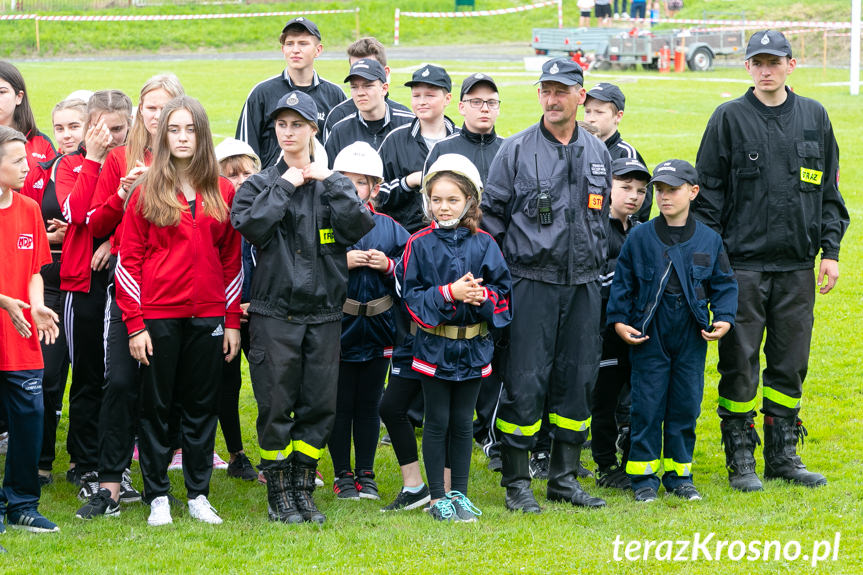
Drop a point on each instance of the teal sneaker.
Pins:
(443, 510)
(465, 511)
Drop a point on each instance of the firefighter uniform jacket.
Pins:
(648, 259)
(403, 152)
(434, 258)
(300, 236)
(478, 148)
(577, 176)
(347, 107)
(770, 183)
(257, 129)
(353, 128)
(366, 338)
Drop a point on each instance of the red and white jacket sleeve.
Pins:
(75, 191)
(129, 263)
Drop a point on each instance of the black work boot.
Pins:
(280, 499)
(515, 474)
(740, 438)
(303, 480)
(563, 484)
(780, 452)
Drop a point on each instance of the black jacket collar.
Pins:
(474, 138)
(779, 110)
(661, 227)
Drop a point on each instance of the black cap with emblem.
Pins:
(431, 75)
(675, 173)
(368, 69)
(563, 71)
(468, 84)
(302, 22)
(768, 42)
(299, 102)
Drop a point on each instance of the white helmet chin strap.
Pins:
(449, 224)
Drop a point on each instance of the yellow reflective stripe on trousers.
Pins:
(682, 469)
(513, 429)
(277, 454)
(566, 423)
(642, 467)
(738, 406)
(306, 449)
(781, 398)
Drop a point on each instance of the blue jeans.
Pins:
(21, 404)
(637, 9)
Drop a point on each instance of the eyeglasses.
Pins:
(478, 103)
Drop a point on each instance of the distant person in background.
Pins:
(672, 7)
(622, 13)
(585, 7)
(638, 9)
(603, 12)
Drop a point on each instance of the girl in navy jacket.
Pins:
(368, 331)
(456, 286)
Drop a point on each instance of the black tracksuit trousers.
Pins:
(56, 371)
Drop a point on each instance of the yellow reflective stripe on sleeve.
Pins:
(306, 449)
(738, 406)
(781, 398)
(277, 454)
(566, 423)
(513, 429)
(682, 469)
(642, 467)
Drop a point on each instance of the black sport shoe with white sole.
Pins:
(100, 504)
(406, 500)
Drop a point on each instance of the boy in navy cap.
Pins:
(603, 109)
(628, 190)
(374, 117)
(301, 44)
(405, 149)
(769, 166)
(671, 274)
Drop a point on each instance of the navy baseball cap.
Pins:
(562, 70)
(300, 102)
(368, 69)
(626, 166)
(768, 42)
(675, 173)
(608, 93)
(303, 22)
(431, 75)
(468, 84)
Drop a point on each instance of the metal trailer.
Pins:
(699, 46)
(568, 41)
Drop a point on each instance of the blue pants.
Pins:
(667, 387)
(21, 405)
(637, 9)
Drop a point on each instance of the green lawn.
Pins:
(665, 118)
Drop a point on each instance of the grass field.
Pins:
(665, 118)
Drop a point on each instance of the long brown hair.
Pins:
(22, 117)
(158, 201)
(139, 138)
(474, 213)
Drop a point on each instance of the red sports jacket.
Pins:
(191, 270)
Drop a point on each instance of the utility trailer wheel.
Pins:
(701, 60)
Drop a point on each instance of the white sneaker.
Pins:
(218, 462)
(200, 509)
(176, 461)
(160, 512)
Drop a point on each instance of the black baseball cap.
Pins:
(474, 79)
(768, 42)
(608, 93)
(368, 69)
(562, 70)
(303, 22)
(626, 166)
(299, 102)
(431, 75)
(675, 173)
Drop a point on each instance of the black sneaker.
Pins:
(385, 439)
(242, 468)
(73, 476)
(45, 480)
(128, 494)
(538, 465)
(31, 520)
(89, 485)
(366, 486)
(100, 504)
(344, 487)
(687, 491)
(406, 500)
(645, 494)
(613, 477)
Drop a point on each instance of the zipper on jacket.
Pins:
(656, 299)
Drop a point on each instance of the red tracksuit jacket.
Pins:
(191, 270)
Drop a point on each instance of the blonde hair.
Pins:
(75, 104)
(236, 164)
(158, 201)
(139, 138)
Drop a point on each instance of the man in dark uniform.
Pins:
(769, 169)
(546, 204)
(301, 44)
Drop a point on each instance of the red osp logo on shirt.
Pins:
(25, 242)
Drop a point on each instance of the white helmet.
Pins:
(458, 164)
(360, 158)
(230, 147)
